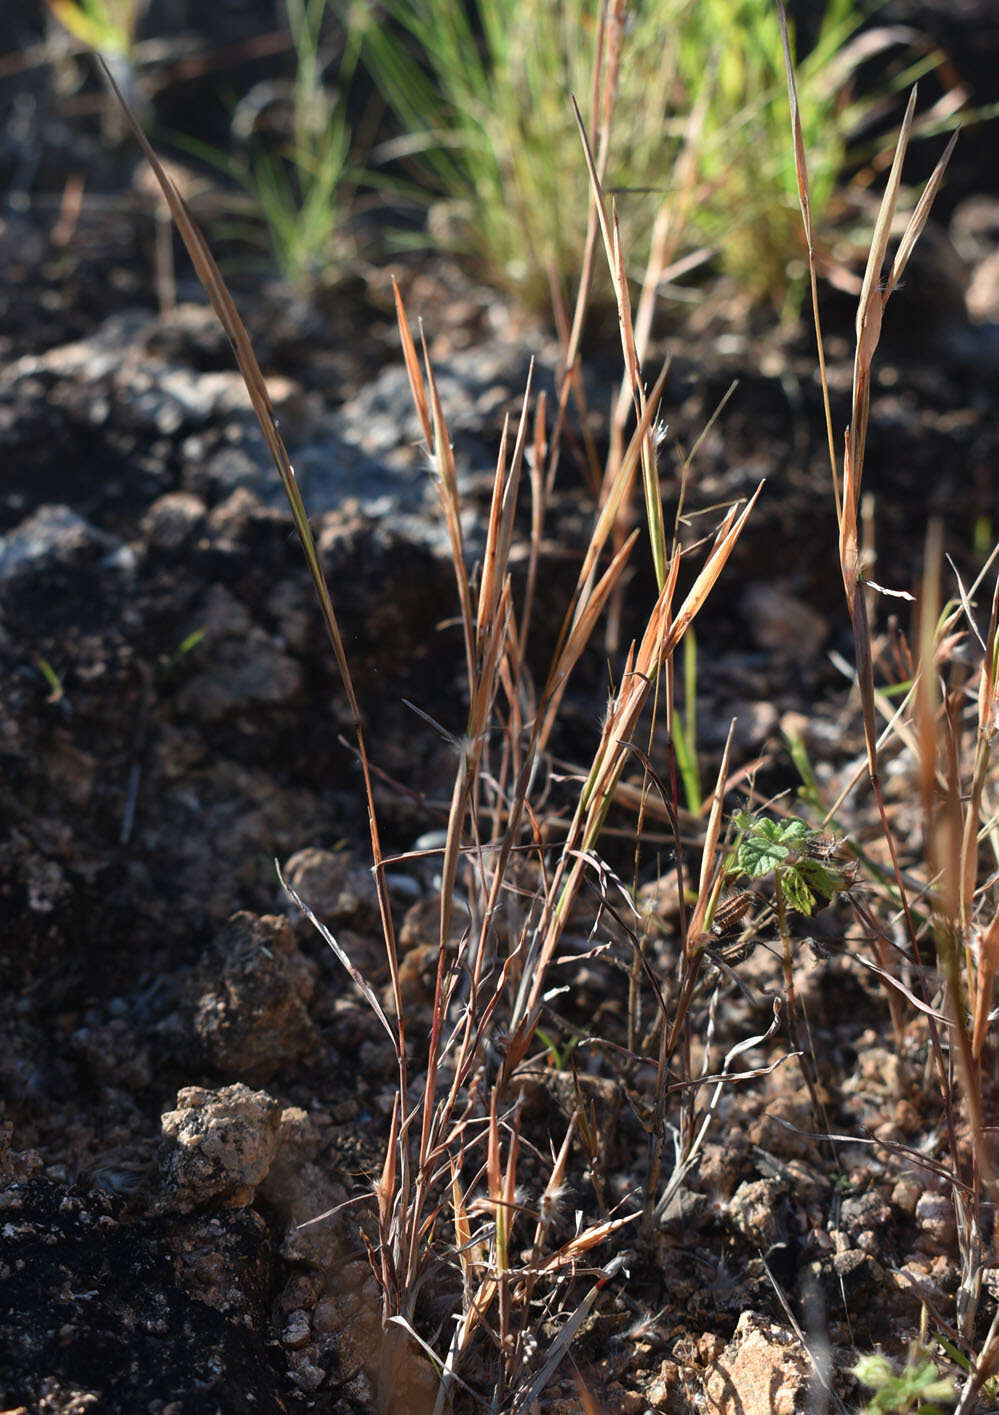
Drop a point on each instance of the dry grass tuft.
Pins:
(449, 1199)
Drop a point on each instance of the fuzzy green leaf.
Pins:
(821, 878)
(758, 855)
(795, 831)
(797, 892)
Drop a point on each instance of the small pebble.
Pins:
(296, 1330)
(935, 1216)
(905, 1194)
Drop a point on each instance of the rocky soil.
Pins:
(187, 1076)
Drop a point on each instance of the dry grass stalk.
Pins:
(951, 796)
(946, 832)
(452, 1154)
(514, 985)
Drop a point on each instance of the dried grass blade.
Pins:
(988, 966)
(431, 1354)
(650, 655)
(491, 578)
(603, 99)
(539, 501)
(564, 1339)
(849, 555)
(412, 362)
(654, 509)
(365, 989)
(671, 217)
(228, 317)
(450, 501)
(613, 246)
(800, 157)
(584, 1242)
(865, 676)
(662, 634)
(661, 637)
(710, 877)
(619, 491)
(988, 692)
(588, 1403)
(804, 200)
(385, 1188)
(615, 261)
(983, 755)
(494, 1182)
(716, 413)
(927, 698)
(512, 489)
(870, 292)
(579, 637)
(870, 306)
(484, 689)
(918, 219)
(462, 1223)
(499, 537)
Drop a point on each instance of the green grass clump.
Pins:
(694, 96)
(297, 145)
(747, 209)
(305, 188)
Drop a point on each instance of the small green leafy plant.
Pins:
(809, 869)
(918, 1386)
(803, 861)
